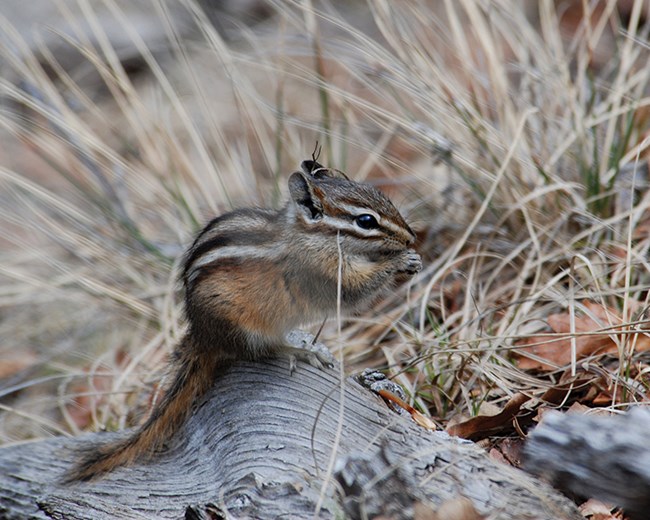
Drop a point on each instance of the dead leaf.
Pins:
(597, 510)
(16, 362)
(460, 508)
(578, 408)
(571, 388)
(512, 449)
(495, 454)
(481, 426)
(554, 353)
(86, 393)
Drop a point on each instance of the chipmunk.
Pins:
(253, 275)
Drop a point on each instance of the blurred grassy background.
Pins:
(513, 134)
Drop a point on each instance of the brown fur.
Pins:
(194, 376)
(252, 275)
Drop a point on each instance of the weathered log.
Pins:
(263, 445)
(604, 457)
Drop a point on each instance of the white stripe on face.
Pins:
(343, 225)
(361, 210)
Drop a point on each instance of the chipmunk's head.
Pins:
(326, 201)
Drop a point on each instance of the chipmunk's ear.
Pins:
(318, 171)
(304, 195)
(310, 167)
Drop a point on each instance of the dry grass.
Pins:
(518, 150)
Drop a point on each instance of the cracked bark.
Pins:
(604, 457)
(259, 446)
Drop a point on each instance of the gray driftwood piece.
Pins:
(259, 446)
(605, 457)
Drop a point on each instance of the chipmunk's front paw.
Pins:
(314, 358)
(412, 262)
(301, 346)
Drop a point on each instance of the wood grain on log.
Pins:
(260, 445)
(595, 456)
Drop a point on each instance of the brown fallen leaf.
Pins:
(15, 362)
(572, 388)
(460, 508)
(85, 394)
(579, 408)
(597, 510)
(512, 449)
(483, 426)
(553, 353)
(495, 454)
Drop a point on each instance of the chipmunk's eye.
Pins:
(366, 221)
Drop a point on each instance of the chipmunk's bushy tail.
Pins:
(193, 378)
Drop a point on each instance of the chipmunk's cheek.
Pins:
(361, 267)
